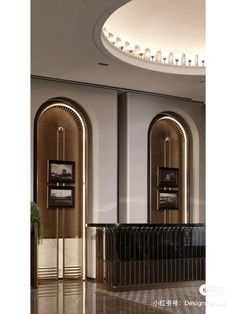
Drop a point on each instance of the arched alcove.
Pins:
(61, 137)
(168, 155)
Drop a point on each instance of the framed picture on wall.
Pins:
(61, 171)
(168, 199)
(61, 197)
(167, 177)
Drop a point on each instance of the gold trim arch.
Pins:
(61, 133)
(168, 147)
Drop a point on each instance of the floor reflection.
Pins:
(70, 297)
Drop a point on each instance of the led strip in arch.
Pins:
(56, 104)
(185, 165)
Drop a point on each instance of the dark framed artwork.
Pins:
(168, 199)
(167, 177)
(61, 171)
(61, 197)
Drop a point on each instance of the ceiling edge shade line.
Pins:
(114, 88)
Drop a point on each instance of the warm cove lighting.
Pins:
(156, 56)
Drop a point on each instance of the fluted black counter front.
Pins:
(131, 255)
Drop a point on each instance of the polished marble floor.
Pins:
(77, 297)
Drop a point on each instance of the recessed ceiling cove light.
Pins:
(159, 35)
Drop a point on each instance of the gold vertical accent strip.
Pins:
(165, 152)
(170, 153)
(184, 137)
(59, 131)
(84, 297)
(63, 210)
(57, 213)
(84, 161)
(64, 143)
(57, 232)
(104, 252)
(63, 245)
(169, 165)
(57, 293)
(165, 159)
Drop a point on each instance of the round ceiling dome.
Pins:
(159, 35)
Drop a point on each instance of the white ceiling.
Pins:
(66, 44)
(177, 26)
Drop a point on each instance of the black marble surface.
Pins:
(142, 225)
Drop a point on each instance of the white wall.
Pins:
(101, 107)
(138, 110)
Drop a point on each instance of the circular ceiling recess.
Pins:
(159, 35)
